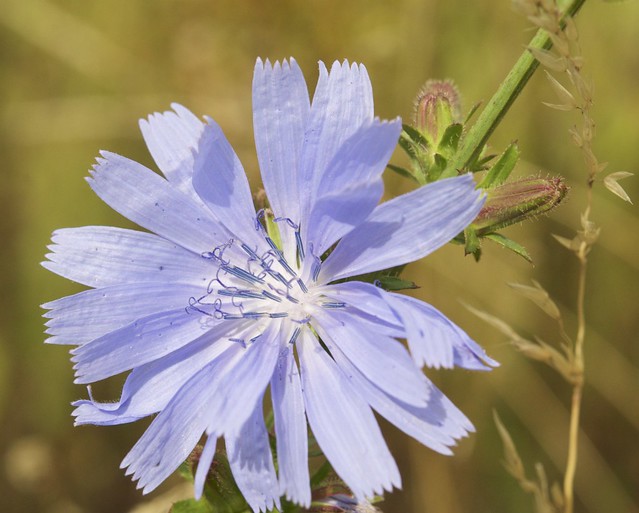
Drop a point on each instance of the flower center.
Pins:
(261, 284)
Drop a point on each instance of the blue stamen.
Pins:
(240, 273)
(296, 333)
(272, 244)
(248, 294)
(280, 278)
(333, 304)
(278, 315)
(302, 285)
(267, 294)
(258, 216)
(317, 267)
(254, 315)
(249, 251)
(239, 341)
(300, 246)
(285, 265)
(288, 220)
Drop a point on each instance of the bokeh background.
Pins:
(75, 76)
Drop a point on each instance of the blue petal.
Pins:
(100, 256)
(379, 358)
(436, 425)
(366, 299)
(149, 200)
(351, 186)
(290, 429)
(140, 342)
(240, 389)
(172, 137)
(174, 432)
(434, 340)
(204, 465)
(343, 424)
(251, 462)
(405, 229)
(281, 109)
(150, 387)
(90, 314)
(342, 103)
(220, 181)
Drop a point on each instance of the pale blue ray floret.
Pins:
(208, 312)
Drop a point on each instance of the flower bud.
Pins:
(437, 107)
(517, 201)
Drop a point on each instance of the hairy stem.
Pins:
(491, 116)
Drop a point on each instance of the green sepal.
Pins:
(450, 140)
(221, 494)
(472, 245)
(414, 136)
(502, 168)
(509, 244)
(403, 172)
(192, 506)
(435, 171)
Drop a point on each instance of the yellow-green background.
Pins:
(75, 75)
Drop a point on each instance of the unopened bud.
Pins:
(517, 201)
(436, 108)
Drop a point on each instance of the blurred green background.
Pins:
(75, 77)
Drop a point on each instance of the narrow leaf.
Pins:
(402, 172)
(502, 168)
(510, 244)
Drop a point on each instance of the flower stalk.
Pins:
(475, 140)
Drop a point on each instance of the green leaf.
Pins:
(480, 164)
(509, 244)
(472, 112)
(502, 168)
(394, 283)
(192, 506)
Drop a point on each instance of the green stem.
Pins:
(491, 116)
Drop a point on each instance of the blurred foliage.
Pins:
(75, 77)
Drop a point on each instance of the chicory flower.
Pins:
(216, 304)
